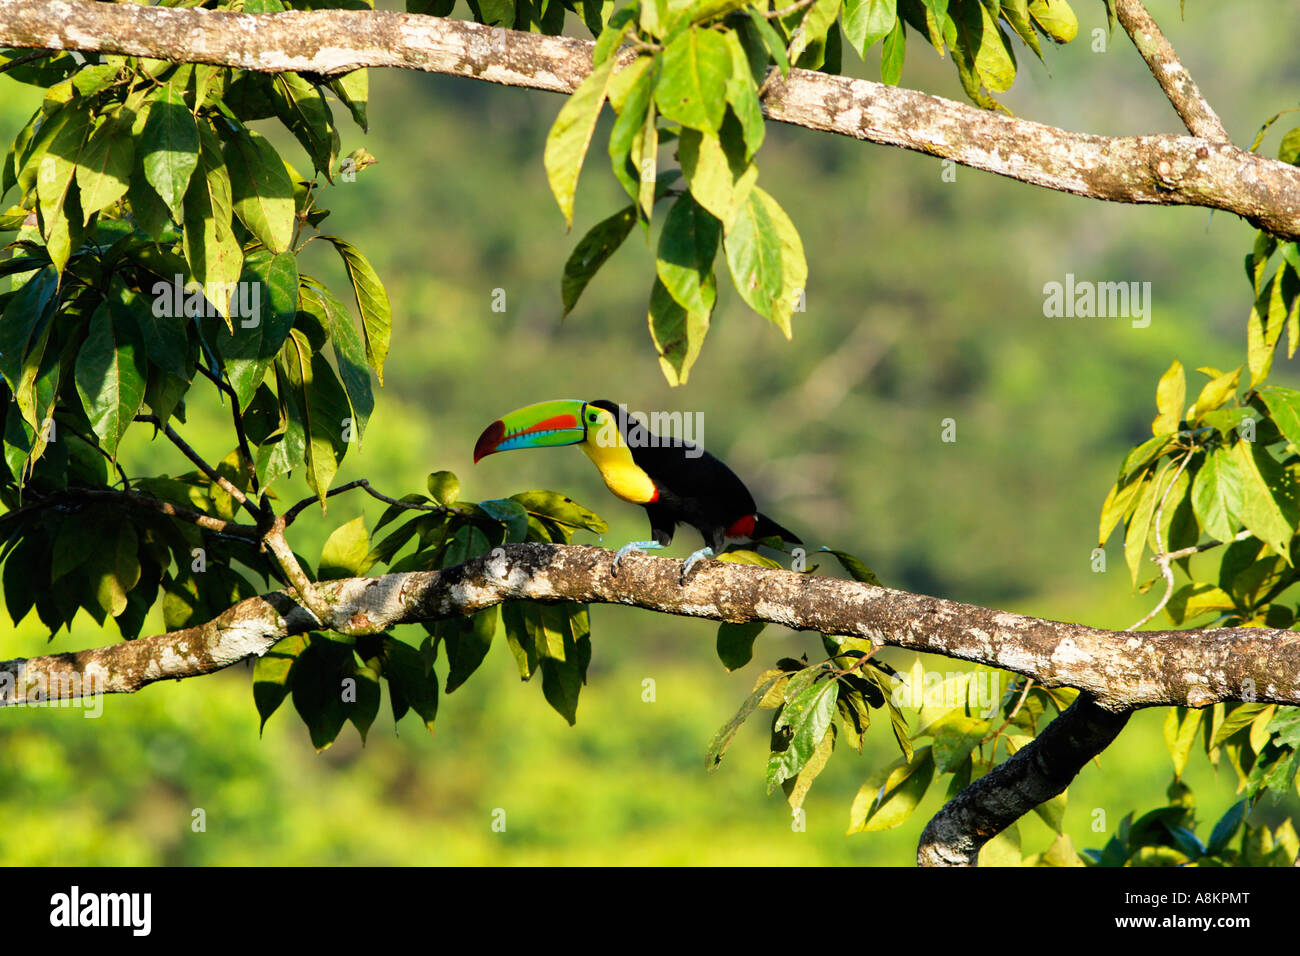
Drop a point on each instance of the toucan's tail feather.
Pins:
(765, 527)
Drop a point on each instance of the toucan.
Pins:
(676, 481)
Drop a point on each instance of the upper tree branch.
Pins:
(1122, 670)
(1163, 170)
(1197, 114)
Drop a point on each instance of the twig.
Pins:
(1198, 548)
(785, 11)
(203, 466)
(1161, 558)
(297, 509)
(39, 54)
(140, 502)
(1196, 113)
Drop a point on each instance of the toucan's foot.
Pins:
(628, 548)
(693, 560)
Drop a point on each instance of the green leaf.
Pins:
(170, 147)
(104, 166)
(867, 22)
(816, 23)
(211, 248)
(24, 314)
(1260, 511)
(678, 334)
(567, 142)
(372, 300)
(771, 39)
(719, 180)
(979, 34)
(1056, 18)
(590, 254)
(509, 513)
(561, 508)
(688, 244)
(272, 673)
(1283, 406)
(110, 376)
(321, 406)
(345, 552)
(634, 106)
(1216, 494)
(302, 107)
(467, 641)
(409, 684)
(1215, 392)
(692, 86)
(736, 643)
(890, 796)
(742, 97)
(1181, 725)
(808, 716)
(892, 53)
(1171, 399)
(1017, 14)
(444, 487)
(254, 339)
(263, 194)
(1139, 525)
(955, 740)
(57, 156)
(722, 739)
(857, 570)
(766, 259)
(349, 350)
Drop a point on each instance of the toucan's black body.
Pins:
(695, 488)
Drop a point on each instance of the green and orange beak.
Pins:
(544, 425)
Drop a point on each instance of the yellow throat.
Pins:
(606, 448)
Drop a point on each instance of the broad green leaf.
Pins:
(1135, 536)
(808, 716)
(322, 407)
(1119, 502)
(271, 675)
(104, 166)
(561, 508)
(110, 376)
(590, 254)
(1017, 14)
(688, 244)
(978, 32)
(268, 284)
(856, 568)
(638, 78)
(24, 314)
(1215, 392)
(771, 40)
(890, 795)
(567, 142)
(892, 53)
(467, 641)
(1171, 399)
(349, 351)
(817, 21)
(1181, 725)
(1056, 18)
(1260, 511)
(1283, 406)
(372, 301)
(956, 739)
(60, 212)
(211, 249)
(302, 107)
(260, 186)
(1216, 494)
(736, 643)
(766, 259)
(721, 183)
(678, 333)
(692, 87)
(444, 487)
(409, 683)
(511, 514)
(169, 147)
(345, 552)
(867, 22)
(742, 97)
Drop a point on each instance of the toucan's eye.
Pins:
(592, 418)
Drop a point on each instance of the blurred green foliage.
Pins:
(924, 303)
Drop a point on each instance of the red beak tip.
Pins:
(488, 441)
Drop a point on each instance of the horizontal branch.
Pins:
(1121, 670)
(1157, 169)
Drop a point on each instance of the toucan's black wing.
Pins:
(690, 473)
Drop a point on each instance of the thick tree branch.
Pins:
(1197, 114)
(1121, 670)
(1163, 170)
(1036, 773)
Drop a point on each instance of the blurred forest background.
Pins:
(924, 302)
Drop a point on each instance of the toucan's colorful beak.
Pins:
(543, 425)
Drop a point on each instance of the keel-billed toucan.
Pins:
(675, 481)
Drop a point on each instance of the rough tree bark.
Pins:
(1156, 169)
(1116, 671)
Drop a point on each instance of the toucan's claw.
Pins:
(628, 548)
(693, 560)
